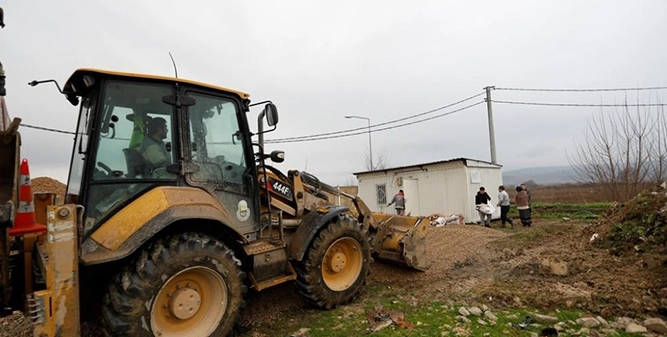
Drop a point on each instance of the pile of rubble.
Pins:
(47, 185)
(637, 225)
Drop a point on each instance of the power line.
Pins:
(375, 125)
(320, 136)
(578, 104)
(48, 129)
(330, 135)
(583, 90)
(278, 141)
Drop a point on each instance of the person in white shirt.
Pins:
(504, 203)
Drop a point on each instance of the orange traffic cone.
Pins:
(24, 222)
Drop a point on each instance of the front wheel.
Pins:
(186, 285)
(336, 264)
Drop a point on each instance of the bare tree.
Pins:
(379, 163)
(659, 148)
(624, 151)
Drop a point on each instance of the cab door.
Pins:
(219, 148)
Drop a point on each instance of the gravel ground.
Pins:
(15, 325)
(472, 263)
(445, 247)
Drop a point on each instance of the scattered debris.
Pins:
(524, 323)
(465, 263)
(303, 332)
(560, 326)
(656, 324)
(588, 322)
(381, 318)
(488, 314)
(594, 237)
(559, 268)
(635, 328)
(602, 321)
(545, 318)
(439, 220)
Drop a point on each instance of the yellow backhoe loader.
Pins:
(172, 213)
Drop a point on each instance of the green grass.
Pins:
(561, 210)
(429, 319)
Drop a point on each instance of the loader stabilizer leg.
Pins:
(55, 311)
(6, 221)
(10, 141)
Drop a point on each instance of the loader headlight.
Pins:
(88, 81)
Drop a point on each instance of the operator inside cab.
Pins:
(154, 149)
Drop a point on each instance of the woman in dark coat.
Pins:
(523, 206)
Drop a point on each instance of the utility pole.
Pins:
(492, 134)
(370, 144)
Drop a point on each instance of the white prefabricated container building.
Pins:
(443, 187)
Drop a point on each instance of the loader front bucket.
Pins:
(401, 240)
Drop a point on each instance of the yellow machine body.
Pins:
(292, 211)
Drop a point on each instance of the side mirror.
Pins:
(271, 113)
(277, 156)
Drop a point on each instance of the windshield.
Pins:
(133, 144)
(135, 138)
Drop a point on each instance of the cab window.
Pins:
(135, 133)
(216, 142)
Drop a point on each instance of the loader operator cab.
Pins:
(136, 132)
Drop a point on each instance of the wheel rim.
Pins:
(342, 264)
(190, 303)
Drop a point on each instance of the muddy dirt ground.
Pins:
(550, 265)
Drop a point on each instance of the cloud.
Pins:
(319, 61)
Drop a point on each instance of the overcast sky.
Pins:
(319, 61)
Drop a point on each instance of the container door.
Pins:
(411, 191)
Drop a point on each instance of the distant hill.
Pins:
(548, 175)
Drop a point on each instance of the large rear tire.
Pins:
(336, 264)
(185, 285)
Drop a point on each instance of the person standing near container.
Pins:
(525, 188)
(399, 201)
(523, 205)
(481, 200)
(504, 204)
